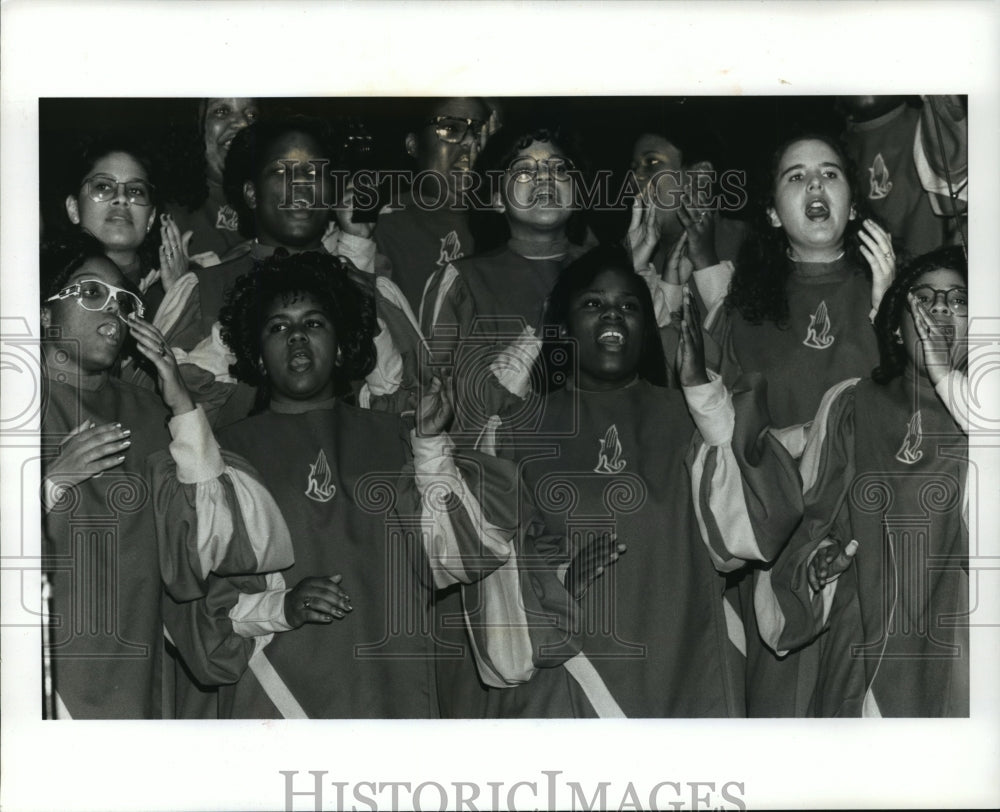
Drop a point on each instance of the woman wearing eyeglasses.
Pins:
(481, 313)
(202, 133)
(421, 232)
(114, 199)
(99, 533)
(880, 564)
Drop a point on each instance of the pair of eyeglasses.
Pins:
(93, 294)
(453, 130)
(957, 299)
(101, 189)
(526, 170)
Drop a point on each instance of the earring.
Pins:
(340, 357)
(261, 369)
(898, 336)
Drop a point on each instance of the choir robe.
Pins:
(346, 487)
(652, 636)
(419, 241)
(106, 567)
(885, 465)
(828, 337)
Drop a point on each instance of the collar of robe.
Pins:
(301, 407)
(539, 249)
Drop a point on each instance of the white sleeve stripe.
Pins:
(174, 302)
(734, 627)
(275, 688)
(60, 709)
(450, 275)
(870, 708)
(437, 478)
(266, 529)
(812, 455)
(508, 640)
(728, 504)
(770, 618)
(600, 698)
(697, 474)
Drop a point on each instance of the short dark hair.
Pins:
(321, 275)
(577, 276)
(892, 354)
(246, 155)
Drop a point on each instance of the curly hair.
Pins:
(758, 290)
(284, 277)
(557, 352)
(892, 354)
(251, 146)
(490, 229)
(61, 257)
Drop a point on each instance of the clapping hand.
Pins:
(590, 563)
(316, 600)
(828, 563)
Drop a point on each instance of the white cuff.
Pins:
(359, 250)
(713, 282)
(194, 448)
(432, 458)
(387, 376)
(259, 613)
(711, 406)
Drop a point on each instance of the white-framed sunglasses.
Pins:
(93, 294)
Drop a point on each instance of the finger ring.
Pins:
(163, 350)
(305, 603)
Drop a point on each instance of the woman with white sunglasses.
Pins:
(99, 531)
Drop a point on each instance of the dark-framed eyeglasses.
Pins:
(527, 170)
(102, 188)
(453, 130)
(957, 299)
(95, 295)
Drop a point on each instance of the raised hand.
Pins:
(436, 407)
(88, 451)
(691, 350)
(173, 251)
(345, 212)
(829, 562)
(876, 248)
(678, 269)
(643, 231)
(152, 345)
(933, 341)
(699, 226)
(590, 563)
(317, 599)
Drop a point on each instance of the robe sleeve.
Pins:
(789, 613)
(487, 537)
(203, 630)
(213, 514)
(745, 485)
